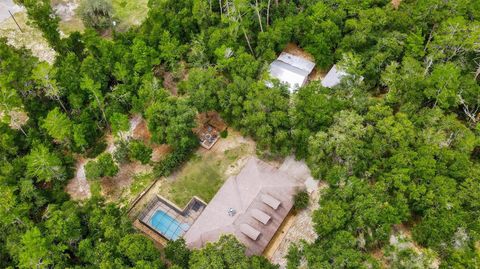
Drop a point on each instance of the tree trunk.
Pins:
(248, 41)
(61, 103)
(258, 15)
(220, 6)
(477, 73)
(268, 12)
(245, 34)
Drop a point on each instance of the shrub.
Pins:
(293, 257)
(139, 151)
(97, 14)
(224, 133)
(97, 148)
(300, 201)
(104, 166)
(122, 152)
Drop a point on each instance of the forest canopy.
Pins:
(398, 149)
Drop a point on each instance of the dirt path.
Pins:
(78, 187)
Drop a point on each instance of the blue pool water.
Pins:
(167, 225)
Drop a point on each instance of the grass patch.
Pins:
(202, 176)
(140, 183)
(130, 12)
(73, 25)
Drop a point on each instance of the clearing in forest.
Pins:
(29, 37)
(205, 173)
(132, 178)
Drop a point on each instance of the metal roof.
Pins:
(333, 77)
(291, 70)
(297, 62)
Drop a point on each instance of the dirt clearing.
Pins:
(69, 21)
(78, 187)
(396, 3)
(30, 37)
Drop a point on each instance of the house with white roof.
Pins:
(291, 70)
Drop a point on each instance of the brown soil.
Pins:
(169, 83)
(294, 49)
(317, 75)
(159, 151)
(396, 3)
(157, 239)
(118, 186)
(141, 132)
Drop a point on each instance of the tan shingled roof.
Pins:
(244, 194)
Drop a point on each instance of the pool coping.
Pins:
(181, 211)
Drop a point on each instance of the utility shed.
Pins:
(291, 70)
(239, 208)
(333, 77)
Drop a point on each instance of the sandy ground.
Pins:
(300, 226)
(8, 5)
(117, 187)
(29, 37)
(403, 231)
(396, 3)
(69, 21)
(78, 187)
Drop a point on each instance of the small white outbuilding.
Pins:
(333, 77)
(291, 70)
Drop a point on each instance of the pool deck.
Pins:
(187, 215)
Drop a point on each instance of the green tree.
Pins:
(44, 76)
(104, 166)
(119, 122)
(58, 126)
(139, 151)
(177, 252)
(44, 165)
(34, 250)
(171, 121)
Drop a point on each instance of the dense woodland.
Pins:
(400, 146)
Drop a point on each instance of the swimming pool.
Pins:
(167, 225)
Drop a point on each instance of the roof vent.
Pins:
(231, 212)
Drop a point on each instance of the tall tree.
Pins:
(44, 165)
(58, 126)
